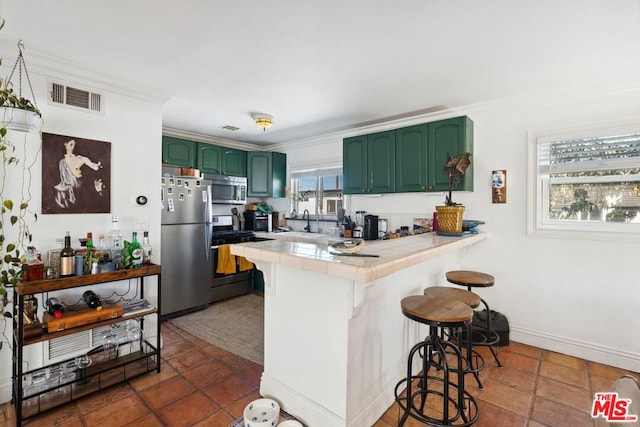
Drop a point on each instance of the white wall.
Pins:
(575, 296)
(133, 126)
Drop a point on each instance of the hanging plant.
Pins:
(15, 214)
(16, 112)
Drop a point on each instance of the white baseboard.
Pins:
(296, 404)
(584, 350)
(313, 414)
(6, 387)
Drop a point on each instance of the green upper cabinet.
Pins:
(369, 163)
(411, 159)
(178, 152)
(221, 160)
(209, 158)
(381, 160)
(354, 165)
(266, 174)
(444, 137)
(234, 162)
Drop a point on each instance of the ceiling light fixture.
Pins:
(263, 121)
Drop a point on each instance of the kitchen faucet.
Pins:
(308, 227)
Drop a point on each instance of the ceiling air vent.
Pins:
(230, 127)
(76, 97)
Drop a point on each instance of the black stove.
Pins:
(223, 237)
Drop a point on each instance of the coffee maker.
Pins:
(370, 227)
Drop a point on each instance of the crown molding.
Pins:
(193, 136)
(53, 67)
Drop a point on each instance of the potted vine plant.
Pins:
(16, 112)
(450, 215)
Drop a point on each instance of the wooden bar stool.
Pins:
(436, 400)
(475, 361)
(485, 335)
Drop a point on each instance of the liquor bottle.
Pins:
(133, 256)
(92, 299)
(89, 254)
(115, 244)
(146, 248)
(66, 257)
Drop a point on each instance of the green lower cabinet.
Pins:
(266, 174)
(258, 281)
(444, 137)
(179, 152)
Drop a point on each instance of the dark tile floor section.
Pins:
(203, 385)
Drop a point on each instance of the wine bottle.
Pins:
(55, 308)
(146, 248)
(66, 257)
(92, 299)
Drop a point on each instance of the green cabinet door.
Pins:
(354, 165)
(381, 157)
(209, 158)
(411, 159)
(178, 152)
(234, 162)
(266, 174)
(444, 137)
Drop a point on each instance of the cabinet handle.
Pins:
(424, 187)
(430, 187)
(364, 190)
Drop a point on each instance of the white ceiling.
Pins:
(325, 66)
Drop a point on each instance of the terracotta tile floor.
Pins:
(202, 385)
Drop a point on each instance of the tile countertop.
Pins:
(310, 251)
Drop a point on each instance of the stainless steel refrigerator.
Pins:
(186, 244)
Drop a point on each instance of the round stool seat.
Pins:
(466, 297)
(470, 278)
(434, 310)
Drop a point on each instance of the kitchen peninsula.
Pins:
(335, 339)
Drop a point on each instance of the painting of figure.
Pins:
(76, 175)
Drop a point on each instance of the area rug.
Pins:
(235, 325)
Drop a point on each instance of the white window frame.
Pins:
(317, 172)
(538, 223)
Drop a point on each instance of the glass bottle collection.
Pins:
(114, 254)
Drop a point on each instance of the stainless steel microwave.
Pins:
(228, 189)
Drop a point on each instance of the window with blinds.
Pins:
(317, 190)
(589, 180)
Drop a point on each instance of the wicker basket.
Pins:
(450, 218)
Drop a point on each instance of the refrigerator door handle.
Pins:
(208, 235)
